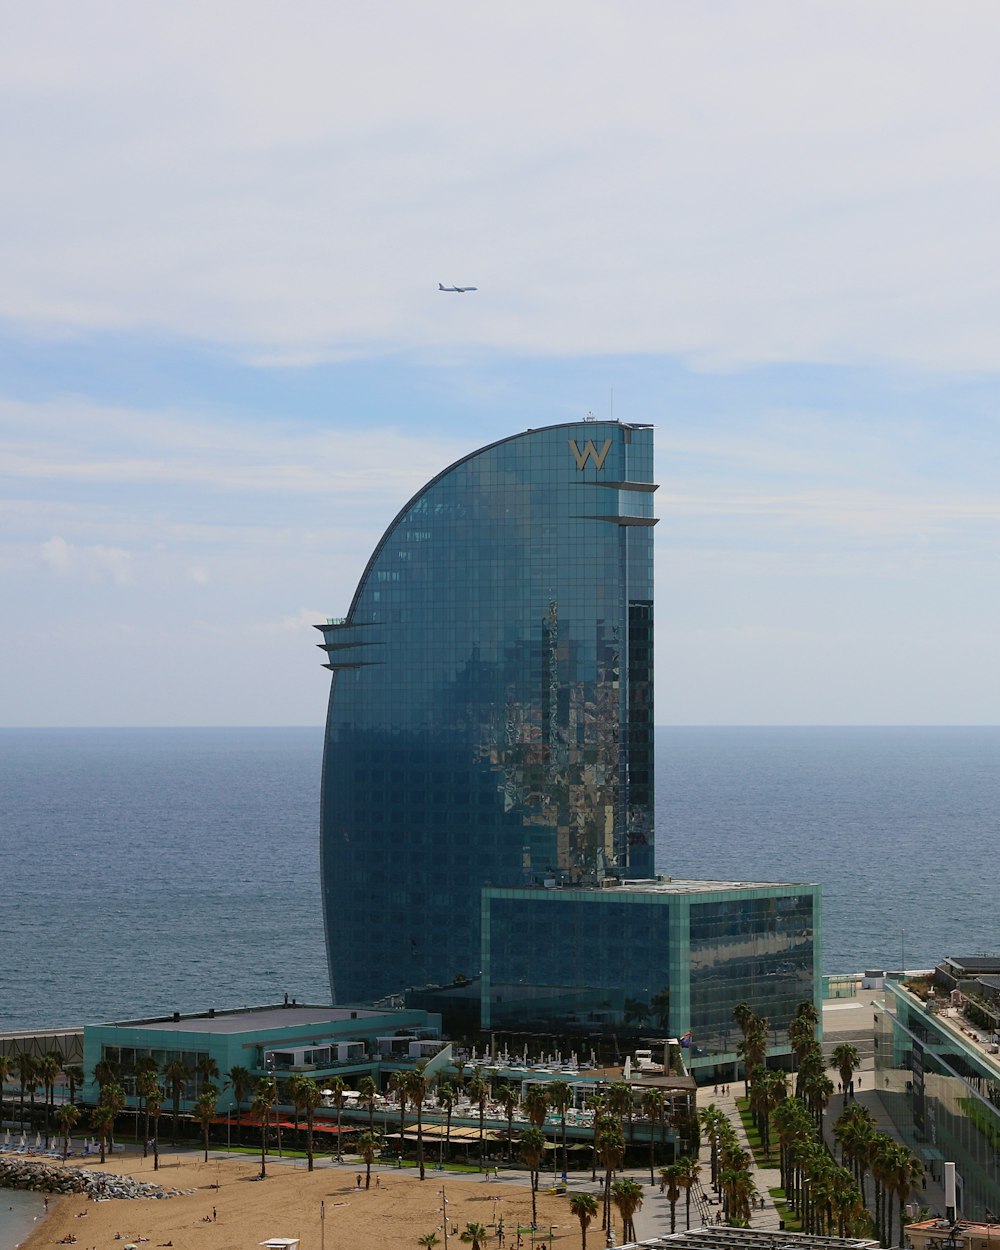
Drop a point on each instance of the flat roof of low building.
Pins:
(725, 1238)
(660, 885)
(251, 1019)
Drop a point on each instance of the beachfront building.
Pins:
(658, 957)
(937, 1072)
(490, 714)
(283, 1040)
(487, 795)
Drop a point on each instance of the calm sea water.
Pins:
(156, 870)
(18, 1212)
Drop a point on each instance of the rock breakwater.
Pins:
(49, 1178)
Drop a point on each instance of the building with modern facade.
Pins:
(490, 716)
(660, 956)
(282, 1040)
(487, 795)
(938, 1075)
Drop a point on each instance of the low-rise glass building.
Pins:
(673, 957)
(282, 1040)
(940, 1083)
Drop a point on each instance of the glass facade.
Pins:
(759, 948)
(661, 956)
(571, 960)
(943, 1096)
(490, 717)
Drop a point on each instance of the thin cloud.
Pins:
(729, 185)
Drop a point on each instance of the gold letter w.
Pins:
(589, 452)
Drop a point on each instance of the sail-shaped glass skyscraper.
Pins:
(490, 718)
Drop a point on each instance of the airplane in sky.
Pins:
(458, 290)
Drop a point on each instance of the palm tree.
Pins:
(306, 1098)
(671, 1177)
(336, 1088)
(744, 1015)
(846, 1060)
(367, 1147)
(596, 1103)
(105, 1071)
(241, 1083)
(294, 1092)
(75, 1075)
(430, 1240)
(416, 1087)
(397, 1082)
(66, 1117)
(687, 1181)
(653, 1104)
(154, 1106)
(113, 1095)
(793, 1124)
(817, 1089)
(205, 1106)
(584, 1207)
(507, 1097)
(24, 1066)
(768, 1090)
(855, 1132)
(102, 1121)
(177, 1075)
(561, 1099)
(145, 1084)
(532, 1149)
(611, 1147)
(4, 1077)
(263, 1102)
(536, 1104)
(32, 1086)
(476, 1234)
(739, 1193)
(206, 1069)
(907, 1173)
(753, 1048)
(479, 1092)
(712, 1121)
(48, 1068)
(367, 1089)
(627, 1195)
(620, 1103)
(446, 1097)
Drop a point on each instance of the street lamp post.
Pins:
(443, 1208)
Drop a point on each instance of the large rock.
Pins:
(51, 1178)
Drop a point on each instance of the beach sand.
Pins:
(287, 1204)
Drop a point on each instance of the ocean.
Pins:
(152, 870)
(18, 1212)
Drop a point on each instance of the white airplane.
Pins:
(458, 290)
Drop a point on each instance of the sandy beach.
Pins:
(395, 1211)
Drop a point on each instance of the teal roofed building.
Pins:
(281, 1040)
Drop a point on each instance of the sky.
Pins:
(768, 229)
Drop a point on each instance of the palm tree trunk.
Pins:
(309, 1137)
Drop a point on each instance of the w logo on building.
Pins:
(589, 452)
